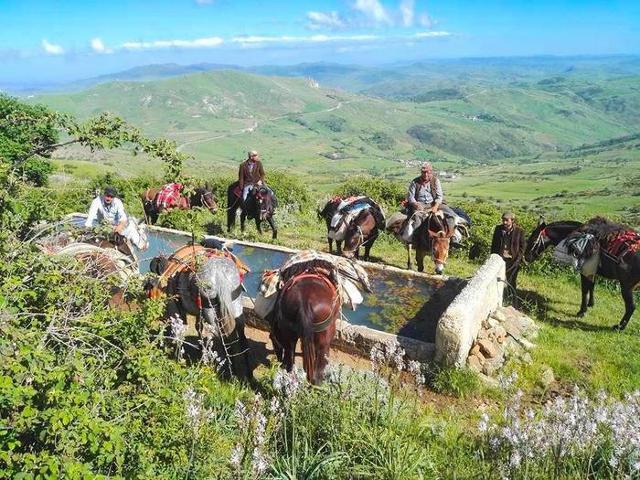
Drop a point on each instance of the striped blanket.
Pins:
(347, 276)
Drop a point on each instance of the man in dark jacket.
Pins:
(509, 242)
(250, 174)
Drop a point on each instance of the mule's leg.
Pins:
(409, 265)
(274, 229)
(420, 254)
(231, 218)
(243, 217)
(629, 305)
(289, 353)
(367, 248)
(586, 284)
(330, 240)
(339, 247)
(592, 300)
(240, 353)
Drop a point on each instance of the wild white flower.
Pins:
(178, 328)
(415, 369)
(286, 383)
(195, 412)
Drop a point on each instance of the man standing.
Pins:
(425, 191)
(250, 174)
(107, 208)
(509, 242)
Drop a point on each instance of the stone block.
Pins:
(487, 348)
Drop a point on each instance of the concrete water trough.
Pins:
(432, 317)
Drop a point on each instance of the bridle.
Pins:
(542, 236)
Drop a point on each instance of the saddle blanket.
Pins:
(347, 210)
(576, 253)
(349, 277)
(626, 242)
(169, 196)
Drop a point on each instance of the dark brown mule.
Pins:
(201, 197)
(307, 308)
(362, 231)
(260, 205)
(625, 268)
(434, 237)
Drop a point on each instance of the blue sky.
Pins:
(53, 41)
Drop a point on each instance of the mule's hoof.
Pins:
(618, 327)
(581, 313)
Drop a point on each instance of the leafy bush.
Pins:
(386, 192)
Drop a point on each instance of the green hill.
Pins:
(218, 115)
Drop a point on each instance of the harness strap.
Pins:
(324, 324)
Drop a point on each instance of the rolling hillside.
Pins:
(218, 115)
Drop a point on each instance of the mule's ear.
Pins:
(540, 221)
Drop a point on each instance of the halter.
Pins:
(542, 236)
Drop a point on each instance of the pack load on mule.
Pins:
(303, 301)
(579, 250)
(347, 276)
(616, 246)
(404, 226)
(176, 195)
(104, 252)
(170, 196)
(207, 284)
(346, 209)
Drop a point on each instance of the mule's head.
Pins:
(440, 238)
(264, 203)
(204, 197)
(358, 233)
(537, 242)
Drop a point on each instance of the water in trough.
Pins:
(400, 303)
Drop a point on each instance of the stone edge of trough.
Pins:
(460, 323)
(457, 328)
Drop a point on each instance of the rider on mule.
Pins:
(509, 242)
(250, 174)
(425, 195)
(107, 208)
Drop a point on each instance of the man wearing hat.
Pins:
(509, 242)
(250, 174)
(107, 208)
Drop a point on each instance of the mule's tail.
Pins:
(308, 344)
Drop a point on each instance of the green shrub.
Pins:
(386, 192)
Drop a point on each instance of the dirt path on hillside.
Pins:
(256, 125)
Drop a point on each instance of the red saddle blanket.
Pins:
(623, 243)
(170, 196)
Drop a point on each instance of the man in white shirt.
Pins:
(107, 209)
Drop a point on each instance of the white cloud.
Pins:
(52, 48)
(432, 34)
(253, 40)
(208, 42)
(373, 10)
(98, 46)
(406, 12)
(330, 20)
